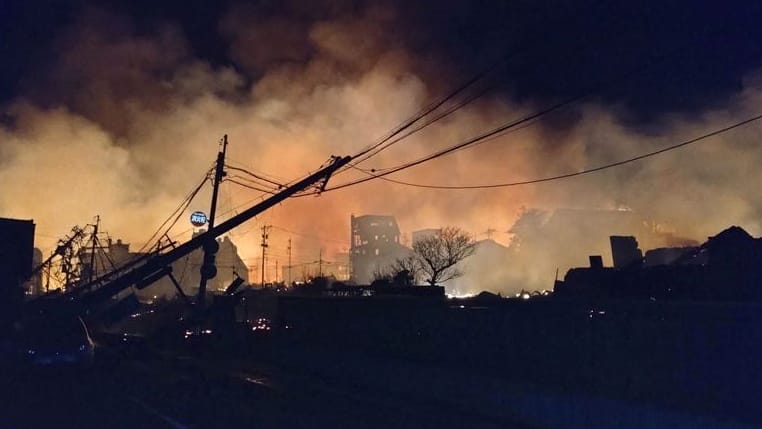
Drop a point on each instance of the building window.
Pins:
(376, 238)
(376, 252)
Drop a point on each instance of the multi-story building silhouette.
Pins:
(375, 245)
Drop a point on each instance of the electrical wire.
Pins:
(262, 178)
(426, 111)
(177, 212)
(425, 124)
(491, 133)
(253, 182)
(586, 171)
(254, 188)
(229, 161)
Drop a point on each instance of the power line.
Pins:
(260, 177)
(253, 188)
(587, 171)
(273, 177)
(253, 182)
(494, 132)
(481, 141)
(425, 112)
(178, 211)
(425, 124)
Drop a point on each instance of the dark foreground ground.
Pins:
(179, 391)
(345, 364)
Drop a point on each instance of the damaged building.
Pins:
(727, 267)
(375, 244)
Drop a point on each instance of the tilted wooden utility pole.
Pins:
(208, 268)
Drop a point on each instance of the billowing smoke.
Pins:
(127, 122)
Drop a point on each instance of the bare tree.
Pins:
(439, 254)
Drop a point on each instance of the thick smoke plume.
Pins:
(127, 122)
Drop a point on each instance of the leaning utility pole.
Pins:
(264, 250)
(157, 266)
(208, 268)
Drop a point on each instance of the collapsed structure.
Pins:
(117, 253)
(727, 267)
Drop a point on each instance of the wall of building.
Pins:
(16, 253)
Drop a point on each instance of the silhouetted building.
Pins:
(486, 269)
(727, 267)
(119, 252)
(229, 265)
(542, 240)
(625, 251)
(33, 285)
(375, 245)
(665, 255)
(16, 253)
(596, 262)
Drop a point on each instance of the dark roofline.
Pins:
(7, 219)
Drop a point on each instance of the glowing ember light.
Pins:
(261, 324)
(459, 295)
